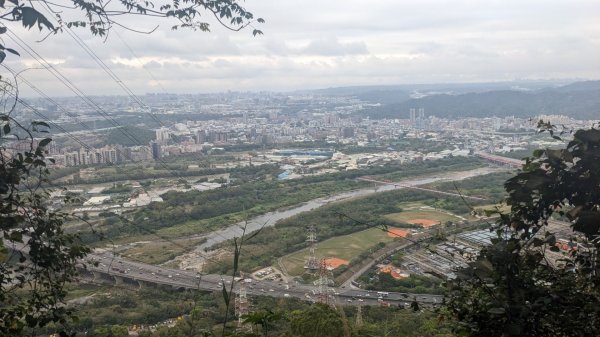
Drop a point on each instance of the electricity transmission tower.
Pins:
(323, 291)
(242, 307)
(359, 319)
(311, 264)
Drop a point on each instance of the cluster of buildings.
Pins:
(197, 123)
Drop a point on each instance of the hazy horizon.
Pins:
(338, 44)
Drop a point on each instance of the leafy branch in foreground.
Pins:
(100, 16)
(522, 284)
(38, 258)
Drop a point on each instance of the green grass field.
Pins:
(344, 247)
(421, 213)
(159, 251)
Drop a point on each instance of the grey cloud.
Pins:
(332, 47)
(152, 65)
(342, 42)
(430, 47)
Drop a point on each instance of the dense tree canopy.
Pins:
(39, 258)
(318, 321)
(522, 285)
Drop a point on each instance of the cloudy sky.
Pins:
(315, 44)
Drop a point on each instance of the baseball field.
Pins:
(423, 216)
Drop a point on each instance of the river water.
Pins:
(194, 259)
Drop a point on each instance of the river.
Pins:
(194, 259)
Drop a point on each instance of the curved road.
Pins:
(121, 269)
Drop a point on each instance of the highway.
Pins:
(131, 272)
(107, 267)
(195, 258)
(122, 270)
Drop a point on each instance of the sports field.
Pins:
(397, 233)
(422, 216)
(344, 247)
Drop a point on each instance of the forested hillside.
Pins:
(579, 100)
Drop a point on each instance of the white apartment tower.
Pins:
(162, 135)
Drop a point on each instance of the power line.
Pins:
(114, 76)
(154, 233)
(48, 98)
(111, 74)
(37, 112)
(69, 84)
(140, 62)
(106, 68)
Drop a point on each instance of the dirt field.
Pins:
(397, 233)
(344, 247)
(334, 262)
(424, 222)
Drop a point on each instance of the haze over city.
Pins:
(314, 169)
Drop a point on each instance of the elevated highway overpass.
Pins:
(105, 267)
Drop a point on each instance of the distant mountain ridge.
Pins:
(580, 100)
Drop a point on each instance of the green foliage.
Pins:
(413, 284)
(42, 257)
(199, 313)
(379, 321)
(516, 287)
(117, 136)
(581, 103)
(488, 186)
(118, 189)
(223, 206)
(265, 320)
(317, 321)
(434, 166)
(288, 235)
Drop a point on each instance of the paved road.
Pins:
(109, 264)
(195, 258)
(129, 271)
(367, 266)
(115, 269)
